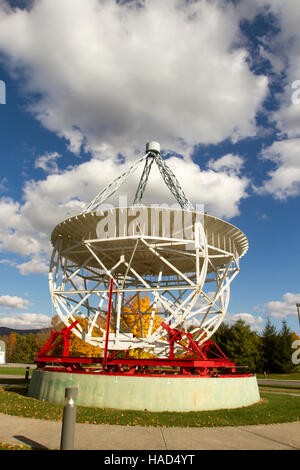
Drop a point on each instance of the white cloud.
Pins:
(283, 53)
(10, 213)
(256, 323)
(229, 163)
(281, 308)
(220, 192)
(117, 75)
(287, 116)
(35, 266)
(284, 180)
(3, 185)
(47, 162)
(25, 321)
(8, 261)
(11, 302)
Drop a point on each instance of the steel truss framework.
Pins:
(194, 301)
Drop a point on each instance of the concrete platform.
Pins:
(176, 393)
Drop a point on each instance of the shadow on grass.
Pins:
(20, 389)
(11, 381)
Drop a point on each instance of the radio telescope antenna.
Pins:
(144, 279)
(168, 255)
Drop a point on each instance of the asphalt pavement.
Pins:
(295, 383)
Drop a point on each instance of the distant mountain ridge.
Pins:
(4, 331)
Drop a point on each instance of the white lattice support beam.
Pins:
(112, 187)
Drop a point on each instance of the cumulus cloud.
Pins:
(9, 262)
(219, 191)
(118, 73)
(229, 163)
(256, 323)
(25, 321)
(284, 180)
(281, 308)
(35, 266)
(12, 302)
(283, 54)
(287, 117)
(47, 162)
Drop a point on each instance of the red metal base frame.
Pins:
(140, 367)
(206, 360)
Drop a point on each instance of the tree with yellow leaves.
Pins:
(79, 347)
(11, 344)
(139, 319)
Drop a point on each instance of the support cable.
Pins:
(152, 154)
(144, 179)
(110, 189)
(173, 184)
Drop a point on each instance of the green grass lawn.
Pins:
(271, 409)
(11, 371)
(279, 390)
(14, 371)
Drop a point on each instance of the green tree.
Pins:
(26, 348)
(282, 355)
(221, 337)
(277, 348)
(240, 344)
(269, 344)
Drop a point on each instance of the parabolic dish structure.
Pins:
(183, 261)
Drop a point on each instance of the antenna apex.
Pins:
(153, 147)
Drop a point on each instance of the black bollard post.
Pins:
(69, 419)
(27, 374)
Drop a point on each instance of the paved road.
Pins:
(11, 376)
(46, 435)
(295, 383)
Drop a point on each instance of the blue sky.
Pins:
(89, 83)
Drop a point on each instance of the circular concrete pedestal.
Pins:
(177, 393)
